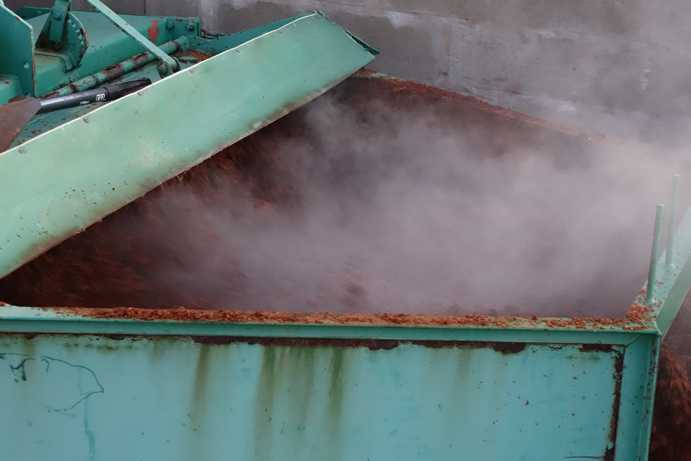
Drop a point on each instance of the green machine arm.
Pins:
(62, 32)
(278, 68)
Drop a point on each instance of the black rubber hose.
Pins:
(102, 94)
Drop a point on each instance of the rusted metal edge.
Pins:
(506, 348)
(638, 318)
(382, 326)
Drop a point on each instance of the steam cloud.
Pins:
(402, 210)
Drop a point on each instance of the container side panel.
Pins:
(89, 397)
(16, 57)
(639, 373)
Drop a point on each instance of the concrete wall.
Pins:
(615, 65)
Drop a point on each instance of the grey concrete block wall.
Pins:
(618, 66)
(605, 65)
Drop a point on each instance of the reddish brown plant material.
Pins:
(182, 314)
(671, 439)
(638, 313)
(118, 262)
(128, 258)
(430, 93)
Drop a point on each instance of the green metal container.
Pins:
(180, 384)
(108, 383)
(112, 383)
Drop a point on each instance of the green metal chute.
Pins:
(64, 180)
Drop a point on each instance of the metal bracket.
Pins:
(72, 43)
(168, 64)
(52, 35)
(63, 34)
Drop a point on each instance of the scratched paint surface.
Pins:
(93, 398)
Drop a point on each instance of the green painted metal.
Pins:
(124, 149)
(122, 68)
(168, 64)
(427, 393)
(25, 71)
(672, 221)
(669, 276)
(655, 253)
(643, 358)
(16, 57)
(10, 87)
(55, 27)
(63, 34)
(108, 45)
(223, 42)
(39, 320)
(673, 286)
(28, 12)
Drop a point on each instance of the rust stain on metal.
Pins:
(506, 348)
(614, 422)
(14, 117)
(371, 344)
(596, 348)
(140, 58)
(113, 71)
(198, 55)
(200, 373)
